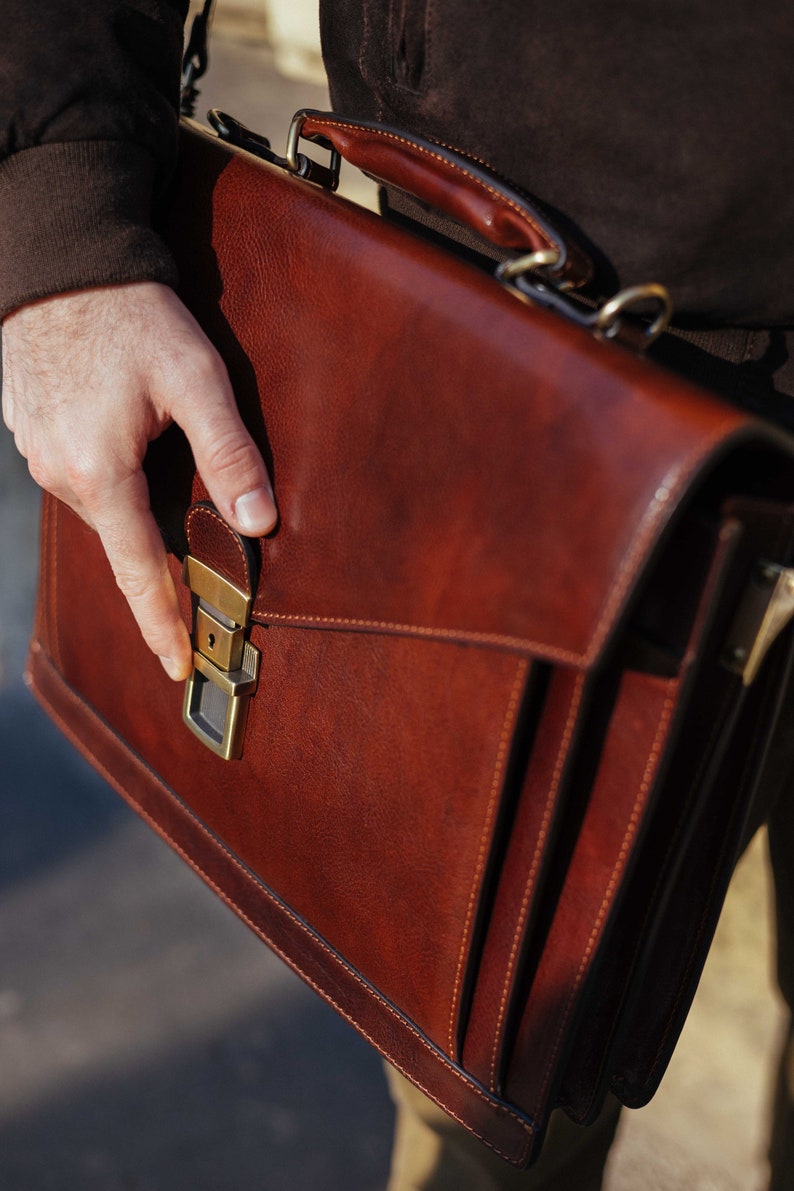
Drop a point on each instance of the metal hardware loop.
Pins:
(291, 155)
(304, 167)
(542, 258)
(607, 320)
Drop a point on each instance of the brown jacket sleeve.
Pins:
(88, 121)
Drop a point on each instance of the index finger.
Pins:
(135, 551)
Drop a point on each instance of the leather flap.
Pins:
(447, 462)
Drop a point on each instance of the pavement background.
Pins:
(148, 1042)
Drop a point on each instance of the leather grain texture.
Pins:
(495, 775)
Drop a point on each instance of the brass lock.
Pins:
(225, 664)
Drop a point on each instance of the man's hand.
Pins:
(89, 379)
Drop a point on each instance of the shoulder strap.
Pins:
(194, 63)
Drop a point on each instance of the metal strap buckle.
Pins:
(306, 167)
(766, 609)
(531, 277)
(225, 665)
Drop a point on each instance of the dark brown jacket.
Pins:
(88, 94)
(664, 131)
(664, 134)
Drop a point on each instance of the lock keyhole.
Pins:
(211, 641)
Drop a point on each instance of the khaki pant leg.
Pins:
(777, 782)
(781, 847)
(433, 1153)
(781, 1146)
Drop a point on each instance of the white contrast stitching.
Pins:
(501, 753)
(631, 829)
(203, 511)
(573, 712)
(492, 190)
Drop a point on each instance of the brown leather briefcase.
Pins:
(472, 735)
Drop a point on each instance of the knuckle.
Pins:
(211, 368)
(232, 458)
(138, 587)
(42, 471)
(204, 369)
(22, 442)
(86, 478)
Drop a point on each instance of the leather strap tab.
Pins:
(213, 542)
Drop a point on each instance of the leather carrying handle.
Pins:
(466, 190)
(447, 180)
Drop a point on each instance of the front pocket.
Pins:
(409, 38)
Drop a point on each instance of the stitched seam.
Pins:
(492, 190)
(194, 512)
(430, 16)
(625, 576)
(574, 254)
(364, 37)
(414, 630)
(671, 848)
(670, 487)
(576, 699)
(631, 829)
(55, 636)
(465, 153)
(501, 753)
(83, 747)
(44, 618)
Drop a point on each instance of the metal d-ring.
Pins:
(607, 320)
(291, 155)
(542, 258)
(305, 167)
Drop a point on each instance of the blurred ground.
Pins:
(149, 1043)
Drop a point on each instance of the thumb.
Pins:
(227, 458)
